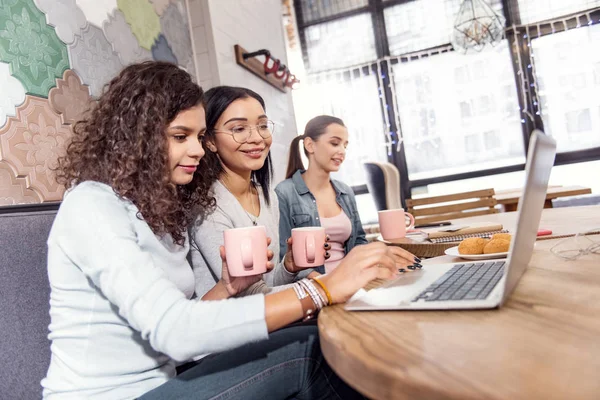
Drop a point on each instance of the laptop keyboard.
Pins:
(469, 281)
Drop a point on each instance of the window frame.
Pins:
(526, 97)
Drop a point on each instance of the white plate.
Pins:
(453, 251)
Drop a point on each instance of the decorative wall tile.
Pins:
(14, 190)
(119, 34)
(36, 55)
(64, 15)
(161, 51)
(97, 11)
(70, 98)
(31, 142)
(160, 5)
(144, 22)
(101, 36)
(174, 25)
(93, 59)
(12, 93)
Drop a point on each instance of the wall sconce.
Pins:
(271, 70)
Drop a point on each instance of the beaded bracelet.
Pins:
(300, 293)
(321, 297)
(309, 308)
(313, 292)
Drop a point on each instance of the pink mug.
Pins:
(246, 250)
(307, 246)
(393, 224)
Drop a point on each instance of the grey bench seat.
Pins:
(24, 302)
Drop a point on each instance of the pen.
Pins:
(433, 225)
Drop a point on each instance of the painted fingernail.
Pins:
(401, 270)
(412, 267)
(417, 260)
(418, 266)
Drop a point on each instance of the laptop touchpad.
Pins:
(401, 290)
(406, 278)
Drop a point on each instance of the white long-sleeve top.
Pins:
(120, 306)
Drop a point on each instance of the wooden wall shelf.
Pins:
(256, 67)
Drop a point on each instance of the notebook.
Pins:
(458, 233)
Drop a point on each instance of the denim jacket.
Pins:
(298, 208)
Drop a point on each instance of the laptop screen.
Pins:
(540, 159)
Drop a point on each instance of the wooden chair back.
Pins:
(428, 210)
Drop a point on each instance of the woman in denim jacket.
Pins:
(311, 198)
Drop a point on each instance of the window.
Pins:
(317, 9)
(597, 73)
(531, 11)
(492, 141)
(459, 115)
(357, 103)
(568, 86)
(472, 114)
(418, 25)
(340, 43)
(578, 121)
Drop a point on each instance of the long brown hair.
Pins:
(314, 129)
(123, 144)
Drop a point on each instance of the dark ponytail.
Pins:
(314, 128)
(294, 160)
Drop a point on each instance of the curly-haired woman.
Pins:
(121, 304)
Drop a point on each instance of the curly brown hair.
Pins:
(122, 142)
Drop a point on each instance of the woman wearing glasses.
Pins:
(238, 139)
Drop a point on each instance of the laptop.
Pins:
(479, 284)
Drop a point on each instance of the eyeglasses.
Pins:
(241, 133)
(582, 244)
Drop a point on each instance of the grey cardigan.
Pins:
(298, 207)
(206, 236)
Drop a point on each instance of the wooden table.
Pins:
(427, 249)
(510, 198)
(543, 344)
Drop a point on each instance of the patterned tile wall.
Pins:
(55, 58)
